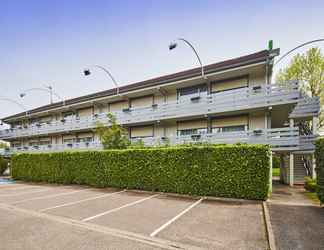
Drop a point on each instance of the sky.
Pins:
(51, 42)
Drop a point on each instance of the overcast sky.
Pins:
(50, 42)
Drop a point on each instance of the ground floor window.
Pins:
(33, 143)
(229, 129)
(192, 131)
(68, 141)
(16, 144)
(44, 143)
(85, 139)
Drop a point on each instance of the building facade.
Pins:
(235, 103)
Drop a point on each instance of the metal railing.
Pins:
(280, 139)
(203, 104)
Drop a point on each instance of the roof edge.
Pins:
(193, 72)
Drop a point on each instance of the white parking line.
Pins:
(119, 208)
(9, 195)
(175, 218)
(50, 196)
(18, 188)
(77, 202)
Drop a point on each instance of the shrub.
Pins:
(229, 171)
(114, 136)
(3, 165)
(276, 161)
(319, 155)
(310, 184)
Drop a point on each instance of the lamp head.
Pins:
(86, 72)
(172, 46)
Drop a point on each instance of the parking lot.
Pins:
(38, 216)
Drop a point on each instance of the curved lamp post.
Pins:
(299, 46)
(173, 45)
(87, 72)
(14, 102)
(48, 89)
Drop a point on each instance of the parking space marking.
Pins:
(175, 218)
(17, 188)
(49, 196)
(119, 208)
(77, 202)
(32, 192)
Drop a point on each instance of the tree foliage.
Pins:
(308, 68)
(3, 145)
(114, 136)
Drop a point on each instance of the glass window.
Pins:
(44, 143)
(16, 145)
(68, 140)
(229, 129)
(68, 115)
(192, 90)
(194, 131)
(33, 143)
(85, 139)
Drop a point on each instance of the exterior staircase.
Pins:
(299, 169)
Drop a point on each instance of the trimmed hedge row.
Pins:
(319, 156)
(3, 165)
(238, 171)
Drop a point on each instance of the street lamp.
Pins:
(299, 46)
(87, 72)
(173, 45)
(48, 89)
(14, 102)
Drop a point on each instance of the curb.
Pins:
(270, 235)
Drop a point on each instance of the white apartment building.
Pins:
(235, 103)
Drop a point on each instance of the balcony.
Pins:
(280, 139)
(232, 100)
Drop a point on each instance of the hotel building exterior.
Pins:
(235, 103)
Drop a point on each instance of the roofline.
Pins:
(261, 56)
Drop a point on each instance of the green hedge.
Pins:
(319, 155)
(310, 184)
(3, 165)
(240, 171)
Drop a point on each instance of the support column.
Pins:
(314, 128)
(313, 166)
(314, 125)
(270, 175)
(291, 169)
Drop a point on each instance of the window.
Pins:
(229, 84)
(85, 139)
(68, 115)
(193, 131)
(69, 140)
(16, 144)
(229, 129)
(141, 132)
(33, 143)
(230, 124)
(192, 90)
(44, 142)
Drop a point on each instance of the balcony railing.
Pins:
(280, 139)
(277, 138)
(203, 104)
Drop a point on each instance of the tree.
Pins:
(3, 145)
(308, 68)
(114, 136)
